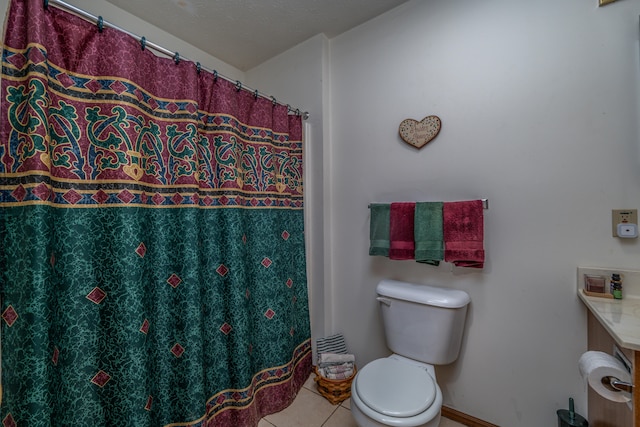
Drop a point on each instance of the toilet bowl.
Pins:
(396, 391)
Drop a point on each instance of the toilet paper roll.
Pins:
(594, 365)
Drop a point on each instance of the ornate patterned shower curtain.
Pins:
(151, 236)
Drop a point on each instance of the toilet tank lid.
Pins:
(423, 294)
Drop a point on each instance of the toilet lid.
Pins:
(395, 388)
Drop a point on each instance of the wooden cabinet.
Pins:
(603, 412)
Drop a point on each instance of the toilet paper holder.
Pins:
(614, 384)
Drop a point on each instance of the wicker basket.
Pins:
(335, 391)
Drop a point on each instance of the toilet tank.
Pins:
(421, 322)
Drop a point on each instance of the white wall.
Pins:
(538, 102)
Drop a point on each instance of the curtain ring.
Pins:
(238, 86)
(46, 4)
(215, 76)
(176, 58)
(198, 67)
(256, 94)
(289, 108)
(297, 111)
(274, 101)
(100, 24)
(143, 43)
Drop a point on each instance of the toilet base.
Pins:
(364, 421)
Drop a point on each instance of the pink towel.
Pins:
(401, 244)
(463, 231)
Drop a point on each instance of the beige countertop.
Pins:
(620, 317)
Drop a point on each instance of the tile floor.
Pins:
(310, 409)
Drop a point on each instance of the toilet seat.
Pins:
(372, 417)
(395, 388)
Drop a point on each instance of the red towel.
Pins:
(463, 230)
(401, 244)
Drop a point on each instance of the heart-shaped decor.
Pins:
(419, 133)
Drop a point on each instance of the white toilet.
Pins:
(423, 327)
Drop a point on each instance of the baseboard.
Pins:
(465, 419)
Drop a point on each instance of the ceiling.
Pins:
(245, 33)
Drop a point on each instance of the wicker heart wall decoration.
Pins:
(419, 133)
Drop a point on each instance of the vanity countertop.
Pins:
(620, 317)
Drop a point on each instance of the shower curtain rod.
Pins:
(175, 55)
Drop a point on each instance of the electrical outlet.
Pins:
(623, 216)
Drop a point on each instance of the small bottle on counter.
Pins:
(616, 286)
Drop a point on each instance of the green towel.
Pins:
(379, 229)
(428, 233)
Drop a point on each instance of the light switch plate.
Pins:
(623, 216)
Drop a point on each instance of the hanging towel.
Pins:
(401, 244)
(463, 231)
(428, 233)
(379, 229)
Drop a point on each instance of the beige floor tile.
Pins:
(309, 410)
(264, 423)
(310, 384)
(340, 418)
(346, 403)
(446, 422)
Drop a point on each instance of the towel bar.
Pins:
(485, 204)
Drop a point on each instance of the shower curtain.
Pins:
(151, 235)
